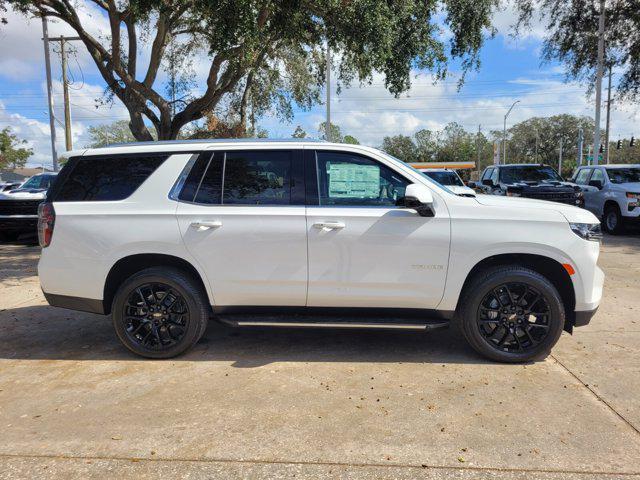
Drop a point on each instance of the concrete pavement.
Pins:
(315, 404)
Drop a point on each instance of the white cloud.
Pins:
(370, 113)
(22, 53)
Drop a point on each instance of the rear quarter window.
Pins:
(105, 178)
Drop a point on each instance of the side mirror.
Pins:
(487, 182)
(596, 183)
(472, 184)
(419, 198)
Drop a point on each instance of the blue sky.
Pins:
(511, 70)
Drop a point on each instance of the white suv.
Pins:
(164, 236)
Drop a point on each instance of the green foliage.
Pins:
(109, 134)
(264, 54)
(13, 154)
(335, 134)
(572, 38)
(452, 144)
(521, 140)
(299, 132)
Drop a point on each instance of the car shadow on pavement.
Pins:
(45, 333)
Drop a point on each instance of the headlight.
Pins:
(633, 195)
(513, 194)
(588, 231)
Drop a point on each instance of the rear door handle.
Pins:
(200, 226)
(329, 225)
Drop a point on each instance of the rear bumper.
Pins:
(75, 303)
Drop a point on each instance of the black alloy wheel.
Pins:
(160, 312)
(511, 314)
(156, 316)
(514, 317)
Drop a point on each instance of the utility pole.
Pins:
(504, 133)
(478, 149)
(327, 130)
(47, 63)
(580, 146)
(560, 158)
(65, 89)
(536, 150)
(596, 133)
(606, 141)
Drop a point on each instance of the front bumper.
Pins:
(583, 318)
(19, 223)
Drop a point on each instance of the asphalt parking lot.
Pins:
(282, 404)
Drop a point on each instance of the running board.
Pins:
(346, 325)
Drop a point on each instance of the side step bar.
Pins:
(346, 325)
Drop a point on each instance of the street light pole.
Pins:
(504, 133)
(596, 132)
(327, 130)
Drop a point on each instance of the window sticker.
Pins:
(349, 180)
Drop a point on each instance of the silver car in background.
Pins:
(612, 193)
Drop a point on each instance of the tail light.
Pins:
(46, 221)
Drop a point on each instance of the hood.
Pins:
(24, 194)
(460, 190)
(633, 187)
(571, 213)
(543, 185)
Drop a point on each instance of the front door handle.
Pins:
(329, 225)
(200, 226)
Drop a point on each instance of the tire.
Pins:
(612, 221)
(152, 304)
(526, 339)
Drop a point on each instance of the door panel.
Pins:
(364, 251)
(382, 257)
(242, 217)
(256, 256)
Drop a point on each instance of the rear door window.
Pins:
(254, 177)
(106, 178)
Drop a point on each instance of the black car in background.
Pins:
(530, 181)
(19, 206)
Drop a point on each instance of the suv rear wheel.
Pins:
(160, 312)
(512, 314)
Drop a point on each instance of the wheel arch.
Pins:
(548, 267)
(611, 203)
(127, 266)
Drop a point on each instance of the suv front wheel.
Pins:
(612, 220)
(160, 312)
(512, 314)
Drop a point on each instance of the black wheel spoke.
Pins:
(155, 316)
(528, 334)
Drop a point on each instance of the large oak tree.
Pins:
(572, 38)
(249, 41)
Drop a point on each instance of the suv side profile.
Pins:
(165, 236)
(612, 193)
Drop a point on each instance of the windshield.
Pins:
(624, 175)
(407, 165)
(39, 181)
(445, 178)
(530, 173)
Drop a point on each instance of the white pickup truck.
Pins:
(612, 193)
